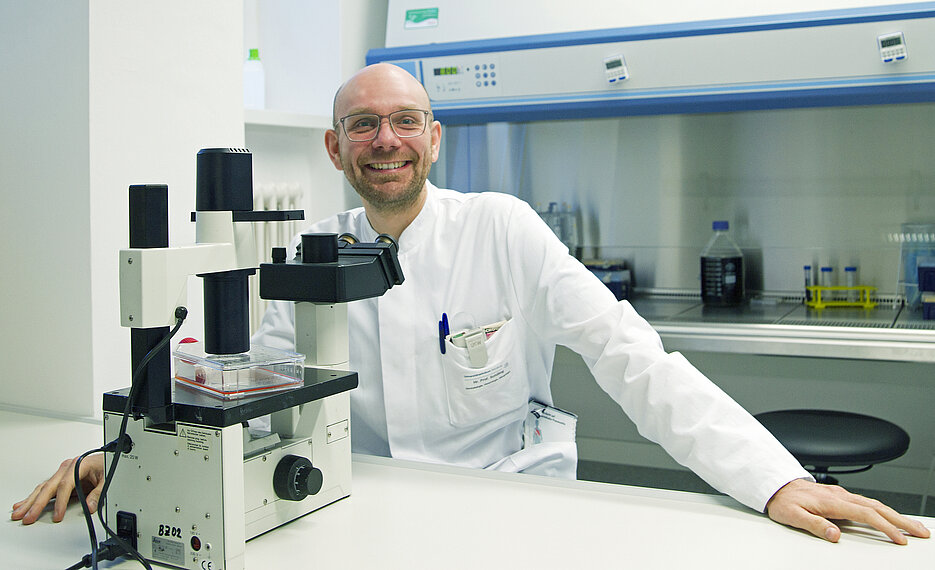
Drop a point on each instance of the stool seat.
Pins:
(824, 439)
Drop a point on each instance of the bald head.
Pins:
(372, 81)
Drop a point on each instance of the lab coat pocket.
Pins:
(497, 389)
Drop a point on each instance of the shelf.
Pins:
(267, 118)
(790, 329)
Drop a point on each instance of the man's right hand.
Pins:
(61, 487)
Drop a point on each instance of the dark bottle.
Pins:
(721, 269)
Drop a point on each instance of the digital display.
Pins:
(446, 71)
(614, 63)
(890, 42)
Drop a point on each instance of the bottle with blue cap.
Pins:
(722, 280)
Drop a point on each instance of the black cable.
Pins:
(82, 500)
(135, 386)
(83, 563)
(108, 550)
(92, 535)
(121, 444)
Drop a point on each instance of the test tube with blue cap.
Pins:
(826, 279)
(850, 279)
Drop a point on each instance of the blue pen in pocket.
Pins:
(442, 332)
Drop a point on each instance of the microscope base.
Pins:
(192, 493)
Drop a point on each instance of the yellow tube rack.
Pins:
(863, 296)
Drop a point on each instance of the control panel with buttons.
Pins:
(464, 76)
(892, 47)
(615, 68)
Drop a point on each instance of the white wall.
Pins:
(101, 95)
(45, 341)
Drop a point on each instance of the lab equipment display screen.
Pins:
(446, 71)
(613, 63)
(889, 42)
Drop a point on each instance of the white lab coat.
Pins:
(482, 258)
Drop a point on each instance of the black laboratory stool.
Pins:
(831, 443)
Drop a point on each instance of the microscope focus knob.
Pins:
(295, 478)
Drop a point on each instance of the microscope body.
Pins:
(198, 482)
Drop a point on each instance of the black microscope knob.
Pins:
(296, 478)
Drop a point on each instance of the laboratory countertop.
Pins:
(409, 515)
(786, 328)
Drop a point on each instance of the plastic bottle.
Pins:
(722, 281)
(254, 82)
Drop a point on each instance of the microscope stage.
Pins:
(197, 407)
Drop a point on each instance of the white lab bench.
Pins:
(409, 515)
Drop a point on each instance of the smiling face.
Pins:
(388, 172)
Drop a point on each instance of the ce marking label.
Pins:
(207, 565)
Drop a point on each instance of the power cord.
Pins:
(116, 546)
(108, 550)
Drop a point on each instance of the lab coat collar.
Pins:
(420, 227)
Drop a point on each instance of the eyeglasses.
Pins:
(406, 123)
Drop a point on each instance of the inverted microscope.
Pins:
(197, 483)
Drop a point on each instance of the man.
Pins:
(481, 260)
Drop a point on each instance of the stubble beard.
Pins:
(388, 203)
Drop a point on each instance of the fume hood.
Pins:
(842, 57)
(811, 132)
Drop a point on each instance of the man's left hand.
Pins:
(809, 506)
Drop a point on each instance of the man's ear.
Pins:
(436, 130)
(331, 145)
